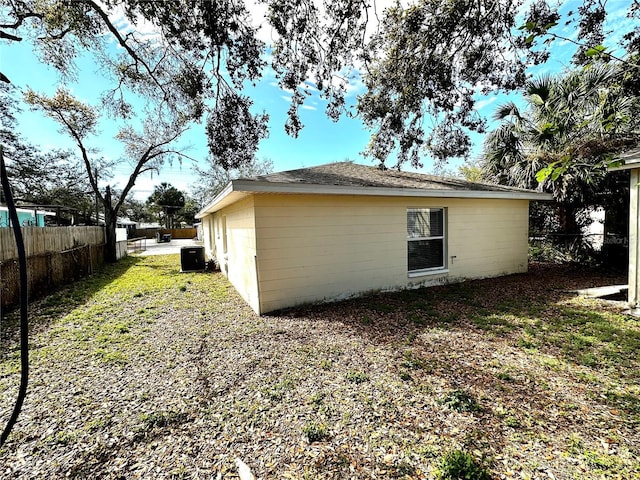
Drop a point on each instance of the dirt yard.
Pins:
(143, 372)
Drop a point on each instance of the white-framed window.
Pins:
(426, 239)
(224, 234)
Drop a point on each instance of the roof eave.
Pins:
(210, 207)
(252, 186)
(629, 159)
(273, 187)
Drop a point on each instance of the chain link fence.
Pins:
(609, 250)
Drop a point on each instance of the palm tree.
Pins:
(564, 136)
(169, 199)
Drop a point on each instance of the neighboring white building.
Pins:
(342, 229)
(631, 161)
(594, 232)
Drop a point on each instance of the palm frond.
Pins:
(540, 86)
(507, 110)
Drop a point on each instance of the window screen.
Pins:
(425, 223)
(425, 238)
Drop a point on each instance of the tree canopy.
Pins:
(199, 58)
(147, 148)
(213, 177)
(564, 138)
(169, 201)
(423, 63)
(43, 178)
(166, 195)
(431, 59)
(572, 123)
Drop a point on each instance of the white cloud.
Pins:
(143, 28)
(617, 25)
(285, 98)
(351, 82)
(258, 18)
(258, 13)
(485, 103)
(309, 87)
(309, 107)
(355, 87)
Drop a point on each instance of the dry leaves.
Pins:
(155, 374)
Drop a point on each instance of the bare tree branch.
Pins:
(123, 43)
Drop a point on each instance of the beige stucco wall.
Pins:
(318, 247)
(238, 263)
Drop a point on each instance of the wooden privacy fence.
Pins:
(55, 256)
(39, 240)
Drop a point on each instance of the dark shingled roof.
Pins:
(347, 178)
(350, 174)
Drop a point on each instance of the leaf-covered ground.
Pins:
(143, 372)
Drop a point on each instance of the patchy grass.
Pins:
(141, 371)
(357, 377)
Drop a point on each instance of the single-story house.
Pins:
(630, 160)
(342, 229)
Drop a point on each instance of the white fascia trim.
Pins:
(630, 159)
(250, 186)
(272, 187)
(209, 208)
(630, 165)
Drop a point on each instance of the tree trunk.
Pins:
(110, 219)
(567, 220)
(569, 229)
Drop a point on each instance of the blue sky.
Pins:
(321, 141)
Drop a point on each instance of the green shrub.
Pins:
(412, 361)
(315, 432)
(512, 422)
(459, 465)
(163, 419)
(460, 401)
